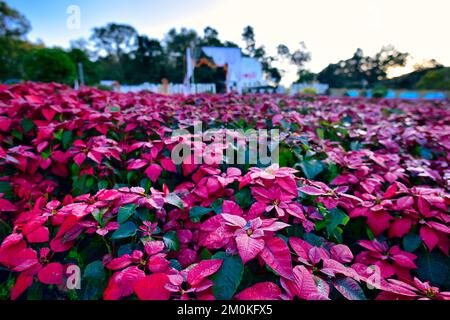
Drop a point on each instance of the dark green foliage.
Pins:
(49, 65)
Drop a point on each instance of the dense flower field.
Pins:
(92, 205)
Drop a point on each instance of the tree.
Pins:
(176, 45)
(360, 69)
(387, 58)
(113, 45)
(283, 51)
(147, 62)
(306, 76)
(13, 28)
(210, 38)
(249, 38)
(114, 39)
(90, 69)
(437, 79)
(300, 56)
(427, 64)
(84, 45)
(11, 53)
(49, 65)
(346, 73)
(274, 74)
(12, 23)
(297, 58)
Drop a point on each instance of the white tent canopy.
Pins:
(242, 71)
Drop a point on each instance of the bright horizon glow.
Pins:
(332, 30)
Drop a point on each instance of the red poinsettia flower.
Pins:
(375, 209)
(275, 199)
(411, 290)
(390, 260)
(15, 254)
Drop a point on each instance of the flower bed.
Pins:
(93, 206)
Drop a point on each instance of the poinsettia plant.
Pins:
(94, 206)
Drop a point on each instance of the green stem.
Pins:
(107, 246)
(6, 225)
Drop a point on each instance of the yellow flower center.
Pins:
(431, 293)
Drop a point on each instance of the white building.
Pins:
(242, 72)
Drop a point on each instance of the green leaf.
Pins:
(27, 125)
(196, 213)
(175, 264)
(58, 134)
(126, 212)
(411, 242)
(314, 240)
(130, 175)
(227, 279)
(349, 288)
(356, 145)
(320, 133)
(434, 267)
(35, 292)
(90, 182)
(370, 234)
(46, 153)
(102, 184)
(332, 171)
(295, 230)
(336, 217)
(75, 170)
(66, 139)
(125, 249)
(6, 189)
(171, 241)
(425, 153)
(144, 214)
(126, 230)
(217, 206)
(205, 254)
(347, 119)
(94, 273)
(16, 134)
(311, 168)
(243, 198)
(287, 158)
(145, 183)
(113, 109)
(174, 200)
(98, 215)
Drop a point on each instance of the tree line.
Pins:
(119, 52)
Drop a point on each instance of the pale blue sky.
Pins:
(332, 29)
